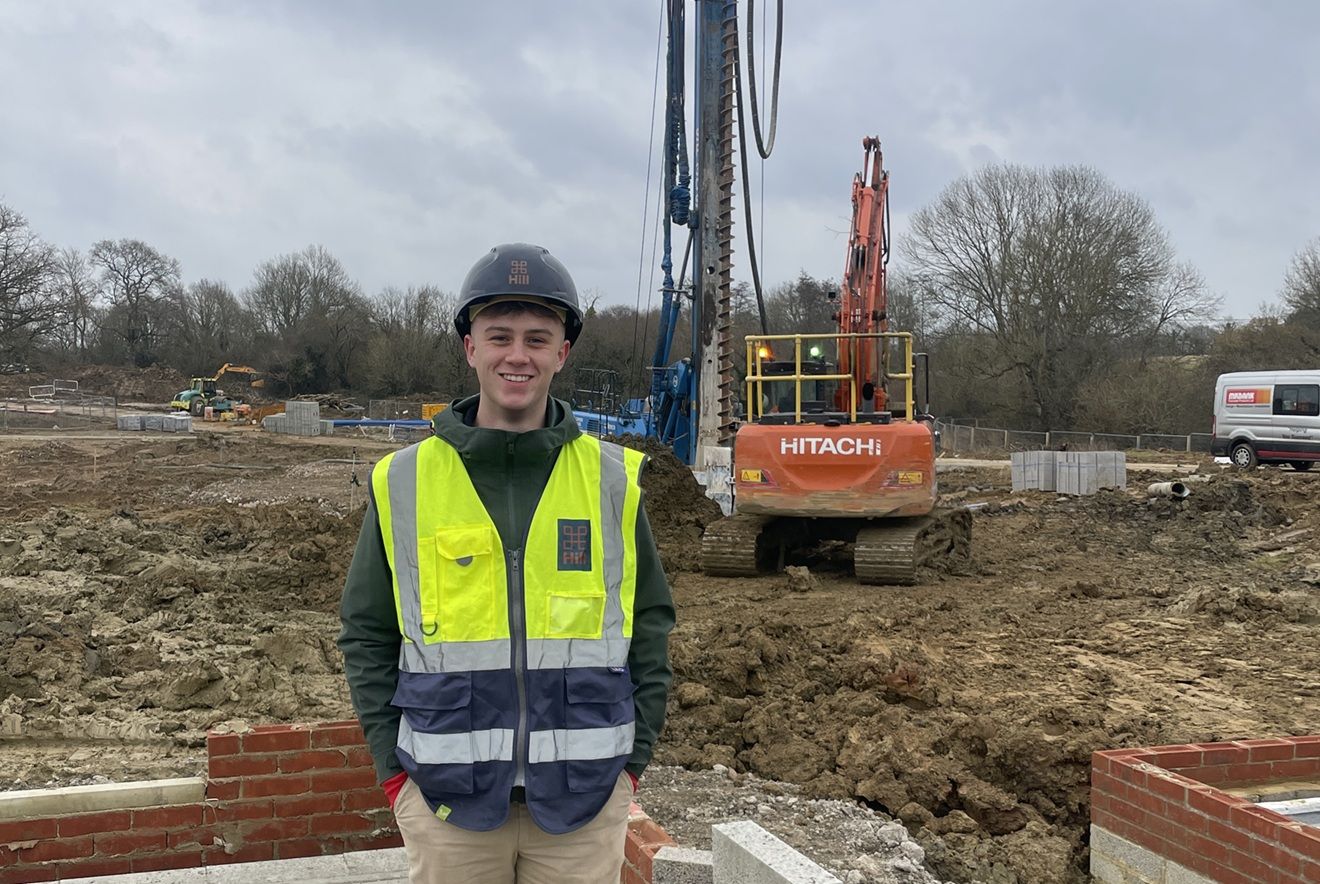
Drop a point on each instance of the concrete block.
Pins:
(327, 428)
(1034, 470)
(681, 865)
(177, 423)
(744, 853)
(1176, 874)
(35, 803)
(1104, 871)
(1136, 861)
(154, 422)
(129, 422)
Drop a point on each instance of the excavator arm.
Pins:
(863, 299)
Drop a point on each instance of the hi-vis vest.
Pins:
(513, 666)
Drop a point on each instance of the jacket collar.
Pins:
(477, 444)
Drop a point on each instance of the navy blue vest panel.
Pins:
(578, 698)
(476, 793)
(452, 703)
(581, 789)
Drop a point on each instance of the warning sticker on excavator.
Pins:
(750, 476)
(911, 477)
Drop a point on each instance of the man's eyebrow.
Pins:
(509, 330)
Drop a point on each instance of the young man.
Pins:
(506, 617)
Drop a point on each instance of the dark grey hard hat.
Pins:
(519, 268)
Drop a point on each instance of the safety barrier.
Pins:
(58, 414)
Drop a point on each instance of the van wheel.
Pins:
(1244, 456)
(1302, 466)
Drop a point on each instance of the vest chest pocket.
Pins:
(458, 577)
(576, 613)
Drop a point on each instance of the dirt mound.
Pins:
(676, 505)
(969, 707)
(156, 383)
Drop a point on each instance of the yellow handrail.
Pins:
(755, 375)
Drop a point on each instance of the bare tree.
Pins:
(314, 314)
(413, 343)
(1301, 287)
(208, 327)
(74, 286)
(136, 280)
(29, 307)
(1060, 270)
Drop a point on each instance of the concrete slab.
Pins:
(34, 803)
(389, 866)
(744, 853)
(682, 865)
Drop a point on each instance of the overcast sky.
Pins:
(408, 137)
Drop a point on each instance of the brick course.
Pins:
(275, 792)
(1170, 801)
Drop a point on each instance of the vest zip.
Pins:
(517, 621)
(518, 634)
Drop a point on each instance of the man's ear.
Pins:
(471, 350)
(563, 355)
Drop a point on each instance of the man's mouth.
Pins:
(517, 378)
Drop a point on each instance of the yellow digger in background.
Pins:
(204, 393)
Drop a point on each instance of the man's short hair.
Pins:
(500, 307)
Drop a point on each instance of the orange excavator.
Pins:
(839, 450)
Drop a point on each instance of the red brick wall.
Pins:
(272, 793)
(645, 838)
(275, 792)
(1167, 800)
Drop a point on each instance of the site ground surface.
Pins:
(154, 588)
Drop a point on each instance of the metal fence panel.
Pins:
(1165, 441)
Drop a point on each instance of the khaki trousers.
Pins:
(518, 852)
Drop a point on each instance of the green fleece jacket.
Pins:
(496, 460)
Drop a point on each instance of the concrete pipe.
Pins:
(1176, 490)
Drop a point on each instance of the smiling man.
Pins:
(505, 617)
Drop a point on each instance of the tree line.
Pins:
(1046, 298)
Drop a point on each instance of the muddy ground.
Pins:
(153, 588)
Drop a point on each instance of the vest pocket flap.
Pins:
(433, 690)
(464, 542)
(598, 685)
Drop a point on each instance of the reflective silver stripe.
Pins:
(564, 653)
(585, 744)
(613, 487)
(402, 481)
(469, 748)
(455, 656)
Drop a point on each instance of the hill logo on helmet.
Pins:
(518, 274)
(847, 446)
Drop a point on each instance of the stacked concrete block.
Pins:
(274, 423)
(130, 422)
(1069, 472)
(302, 418)
(154, 422)
(327, 428)
(1034, 470)
(1086, 472)
(177, 423)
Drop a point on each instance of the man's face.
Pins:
(516, 357)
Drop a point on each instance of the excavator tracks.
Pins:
(890, 552)
(729, 547)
